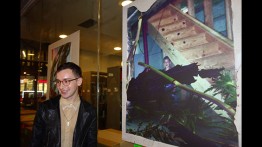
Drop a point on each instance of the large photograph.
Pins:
(62, 51)
(179, 74)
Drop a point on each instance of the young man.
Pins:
(65, 120)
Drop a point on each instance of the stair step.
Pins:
(173, 27)
(201, 51)
(225, 60)
(164, 13)
(164, 21)
(178, 34)
(190, 41)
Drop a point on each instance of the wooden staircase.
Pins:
(186, 40)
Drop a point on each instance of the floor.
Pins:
(26, 123)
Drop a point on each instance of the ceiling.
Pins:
(44, 20)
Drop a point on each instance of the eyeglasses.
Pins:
(64, 82)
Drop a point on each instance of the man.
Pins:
(65, 120)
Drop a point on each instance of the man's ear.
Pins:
(79, 81)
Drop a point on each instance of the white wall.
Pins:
(237, 36)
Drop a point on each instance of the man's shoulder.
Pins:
(87, 105)
(51, 101)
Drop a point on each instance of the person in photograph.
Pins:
(167, 63)
(173, 93)
(65, 120)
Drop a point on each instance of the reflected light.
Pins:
(126, 2)
(184, 10)
(24, 53)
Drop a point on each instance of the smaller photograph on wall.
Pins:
(64, 50)
(59, 56)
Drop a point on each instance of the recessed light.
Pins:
(62, 36)
(117, 48)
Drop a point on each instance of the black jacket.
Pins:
(47, 125)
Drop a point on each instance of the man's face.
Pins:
(67, 83)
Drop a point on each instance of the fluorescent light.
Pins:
(126, 2)
(62, 36)
(30, 54)
(117, 48)
(24, 53)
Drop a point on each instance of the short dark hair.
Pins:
(166, 57)
(70, 65)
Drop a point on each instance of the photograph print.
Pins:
(179, 76)
(64, 50)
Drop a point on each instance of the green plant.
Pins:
(225, 85)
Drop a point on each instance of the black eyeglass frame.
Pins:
(58, 82)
